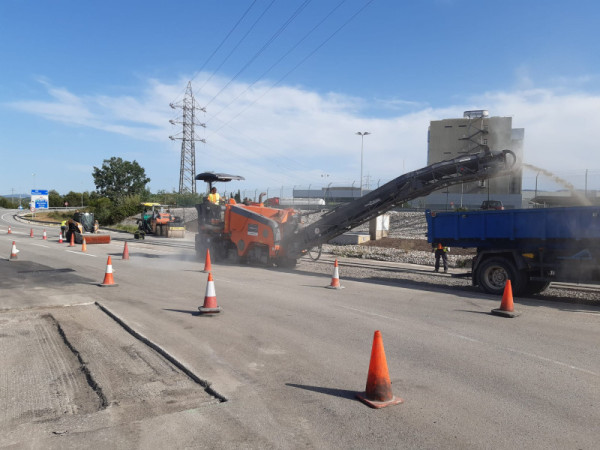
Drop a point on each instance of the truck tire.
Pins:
(493, 273)
(77, 238)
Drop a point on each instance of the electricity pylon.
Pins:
(187, 174)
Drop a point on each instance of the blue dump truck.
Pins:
(531, 247)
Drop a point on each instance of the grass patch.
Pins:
(50, 216)
(127, 228)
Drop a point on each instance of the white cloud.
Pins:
(286, 136)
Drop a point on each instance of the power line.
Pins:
(224, 39)
(263, 48)
(238, 43)
(299, 64)
(262, 75)
(221, 44)
(295, 163)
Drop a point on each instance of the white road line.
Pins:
(531, 355)
(82, 253)
(40, 245)
(466, 338)
(460, 336)
(369, 313)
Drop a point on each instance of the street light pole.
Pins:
(362, 142)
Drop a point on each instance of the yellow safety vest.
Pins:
(214, 198)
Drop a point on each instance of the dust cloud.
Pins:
(558, 180)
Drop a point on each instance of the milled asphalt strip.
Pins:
(205, 384)
(82, 366)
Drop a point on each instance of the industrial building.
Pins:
(476, 130)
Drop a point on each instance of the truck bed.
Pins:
(511, 228)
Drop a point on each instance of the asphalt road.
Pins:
(281, 365)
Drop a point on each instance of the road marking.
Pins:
(542, 358)
(466, 338)
(82, 253)
(41, 245)
(460, 336)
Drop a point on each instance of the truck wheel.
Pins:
(493, 274)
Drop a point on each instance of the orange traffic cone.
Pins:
(14, 251)
(335, 279)
(60, 241)
(72, 243)
(207, 265)
(84, 246)
(507, 308)
(9, 231)
(108, 276)
(31, 233)
(210, 299)
(125, 251)
(378, 393)
(44, 236)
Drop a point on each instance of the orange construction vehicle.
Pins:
(157, 219)
(253, 232)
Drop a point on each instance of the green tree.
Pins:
(54, 199)
(101, 207)
(117, 178)
(6, 203)
(125, 207)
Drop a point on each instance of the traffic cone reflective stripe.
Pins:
(84, 246)
(378, 392)
(507, 308)
(210, 299)
(108, 276)
(125, 251)
(335, 279)
(207, 265)
(13, 251)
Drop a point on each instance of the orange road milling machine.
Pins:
(254, 233)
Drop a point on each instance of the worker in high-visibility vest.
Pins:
(214, 196)
(441, 253)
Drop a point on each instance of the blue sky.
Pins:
(287, 84)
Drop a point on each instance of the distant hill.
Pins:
(16, 195)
